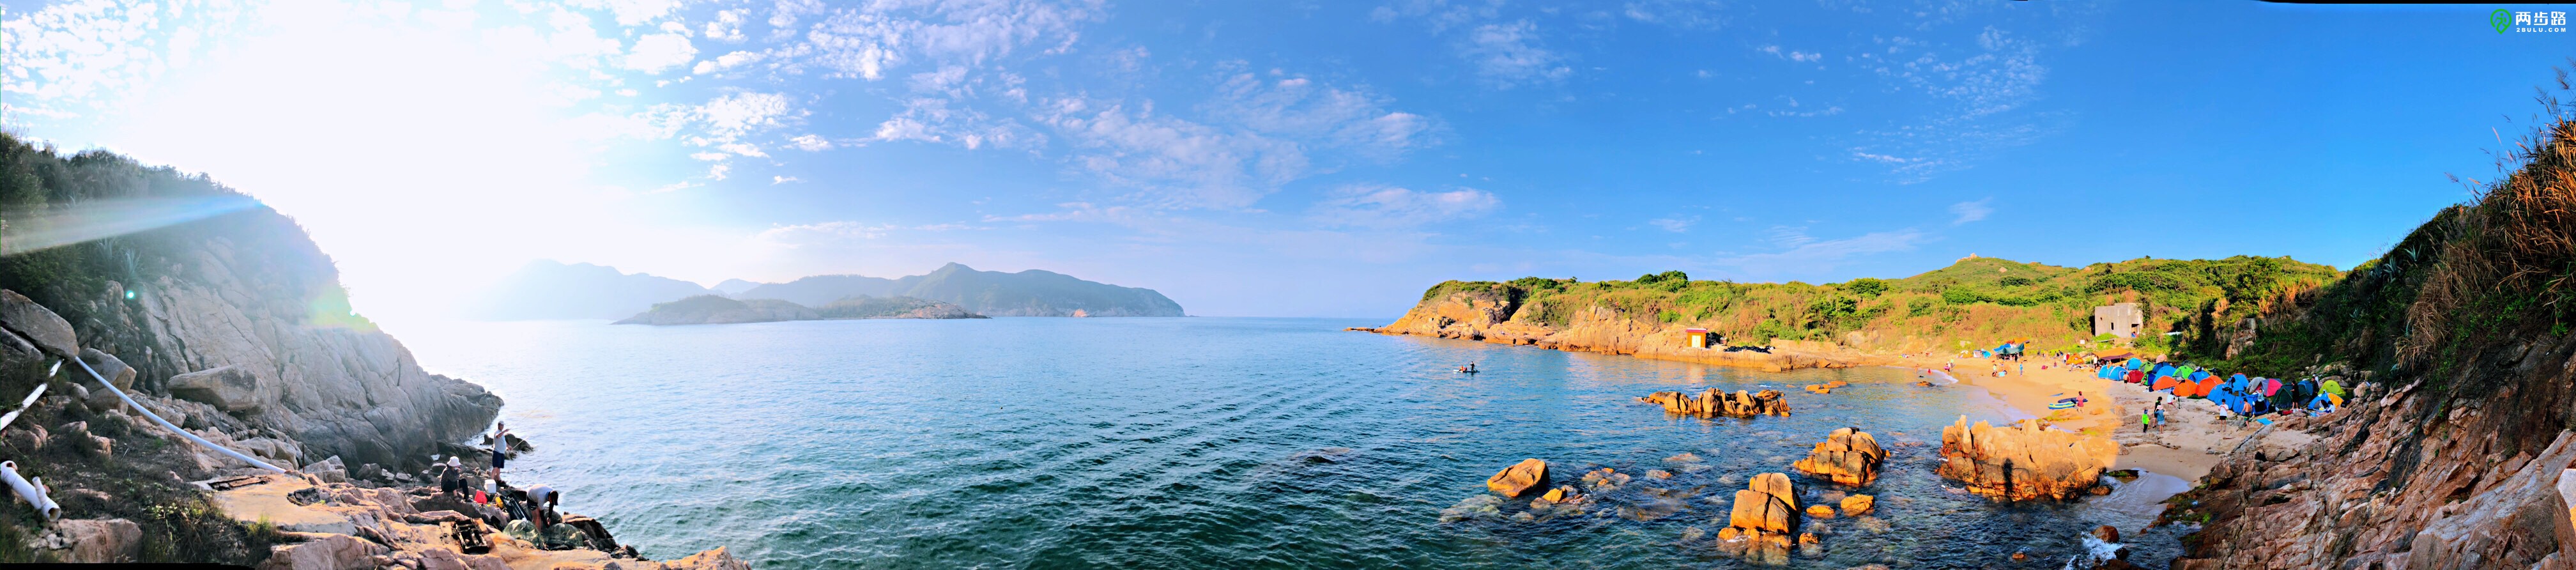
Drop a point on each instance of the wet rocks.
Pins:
(1857, 505)
(1820, 512)
(1763, 520)
(1520, 478)
(1848, 456)
(2023, 461)
(1826, 388)
(1714, 403)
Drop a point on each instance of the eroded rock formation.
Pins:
(2022, 461)
(1520, 478)
(1715, 403)
(1763, 524)
(1848, 456)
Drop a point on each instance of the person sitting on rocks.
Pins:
(451, 476)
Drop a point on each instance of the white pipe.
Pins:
(156, 418)
(33, 493)
(12, 416)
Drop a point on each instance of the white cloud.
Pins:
(1792, 55)
(1971, 211)
(1379, 206)
(1808, 256)
(791, 236)
(632, 12)
(868, 40)
(1675, 225)
(727, 27)
(811, 143)
(1180, 163)
(659, 52)
(726, 62)
(776, 180)
(1508, 54)
(1324, 116)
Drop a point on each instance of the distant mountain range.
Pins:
(717, 309)
(552, 290)
(549, 290)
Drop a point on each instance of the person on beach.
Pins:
(500, 447)
(2146, 421)
(2160, 416)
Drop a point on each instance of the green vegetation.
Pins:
(2476, 278)
(1979, 301)
(864, 307)
(42, 190)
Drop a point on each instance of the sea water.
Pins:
(1195, 443)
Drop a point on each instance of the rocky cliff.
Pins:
(244, 288)
(1488, 314)
(2454, 450)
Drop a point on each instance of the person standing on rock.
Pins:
(500, 447)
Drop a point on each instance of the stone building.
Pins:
(2118, 319)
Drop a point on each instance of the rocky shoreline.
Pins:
(324, 515)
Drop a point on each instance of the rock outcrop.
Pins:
(332, 526)
(1763, 524)
(1714, 403)
(2024, 462)
(1848, 456)
(1520, 478)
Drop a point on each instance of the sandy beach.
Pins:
(2193, 438)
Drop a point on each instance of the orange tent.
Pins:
(2201, 389)
(2167, 382)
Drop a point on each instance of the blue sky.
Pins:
(1292, 158)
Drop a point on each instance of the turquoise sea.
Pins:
(1195, 443)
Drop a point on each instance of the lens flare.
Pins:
(100, 219)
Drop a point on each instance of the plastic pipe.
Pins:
(156, 418)
(12, 416)
(31, 492)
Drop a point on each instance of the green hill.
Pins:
(1977, 301)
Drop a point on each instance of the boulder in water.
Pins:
(1820, 511)
(1857, 505)
(1520, 478)
(1713, 403)
(1848, 456)
(2107, 534)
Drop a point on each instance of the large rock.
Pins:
(1756, 510)
(716, 559)
(233, 388)
(109, 367)
(1520, 478)
(1848, 456)
(98, 541)
(1715, 403)
(329, 552)
(444, 559)
(1763, 524)
(40, 327)
(2024, 462)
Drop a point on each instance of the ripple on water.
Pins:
(1189, 443)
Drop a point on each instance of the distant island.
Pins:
(553, 290)
(718, 309)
